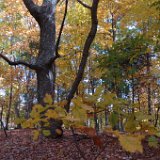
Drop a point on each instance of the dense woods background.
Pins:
(89, 66)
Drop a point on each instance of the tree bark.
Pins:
(1, 114)
(16, 109)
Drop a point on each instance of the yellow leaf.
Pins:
(35, 135)
(87, 107)
(46, 133)
(51, 114)
(131, 143)
(48, 99)
(38, 108)
(70, 118)
(28, 124)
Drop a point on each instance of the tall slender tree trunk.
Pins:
(16, 108)
(10, 102)
(133, 93)
(29, 95)
(149, 85)
(1, 115)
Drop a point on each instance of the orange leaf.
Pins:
(98, 142)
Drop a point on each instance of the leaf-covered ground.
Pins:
(20, 146)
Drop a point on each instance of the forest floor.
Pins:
(20, 146)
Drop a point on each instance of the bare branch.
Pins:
(59, 36)
(61, 29)
(31, 66)
(52, 60)
(83, 4)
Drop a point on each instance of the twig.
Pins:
(76, 144)
(31, 66)
(83, 4)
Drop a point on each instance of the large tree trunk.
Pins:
(45, 16)
(44, 84)
(46, 52)
(45, 75)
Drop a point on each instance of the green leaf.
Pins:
(46, 133)
(153, 141)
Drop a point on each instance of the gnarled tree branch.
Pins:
(85, 53)
(32, 8)
(31, 66)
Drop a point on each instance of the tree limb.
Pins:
(61, 29)
(31, 66)
(59, 36)
(83, 4)
(32, 8)
(85, 53)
